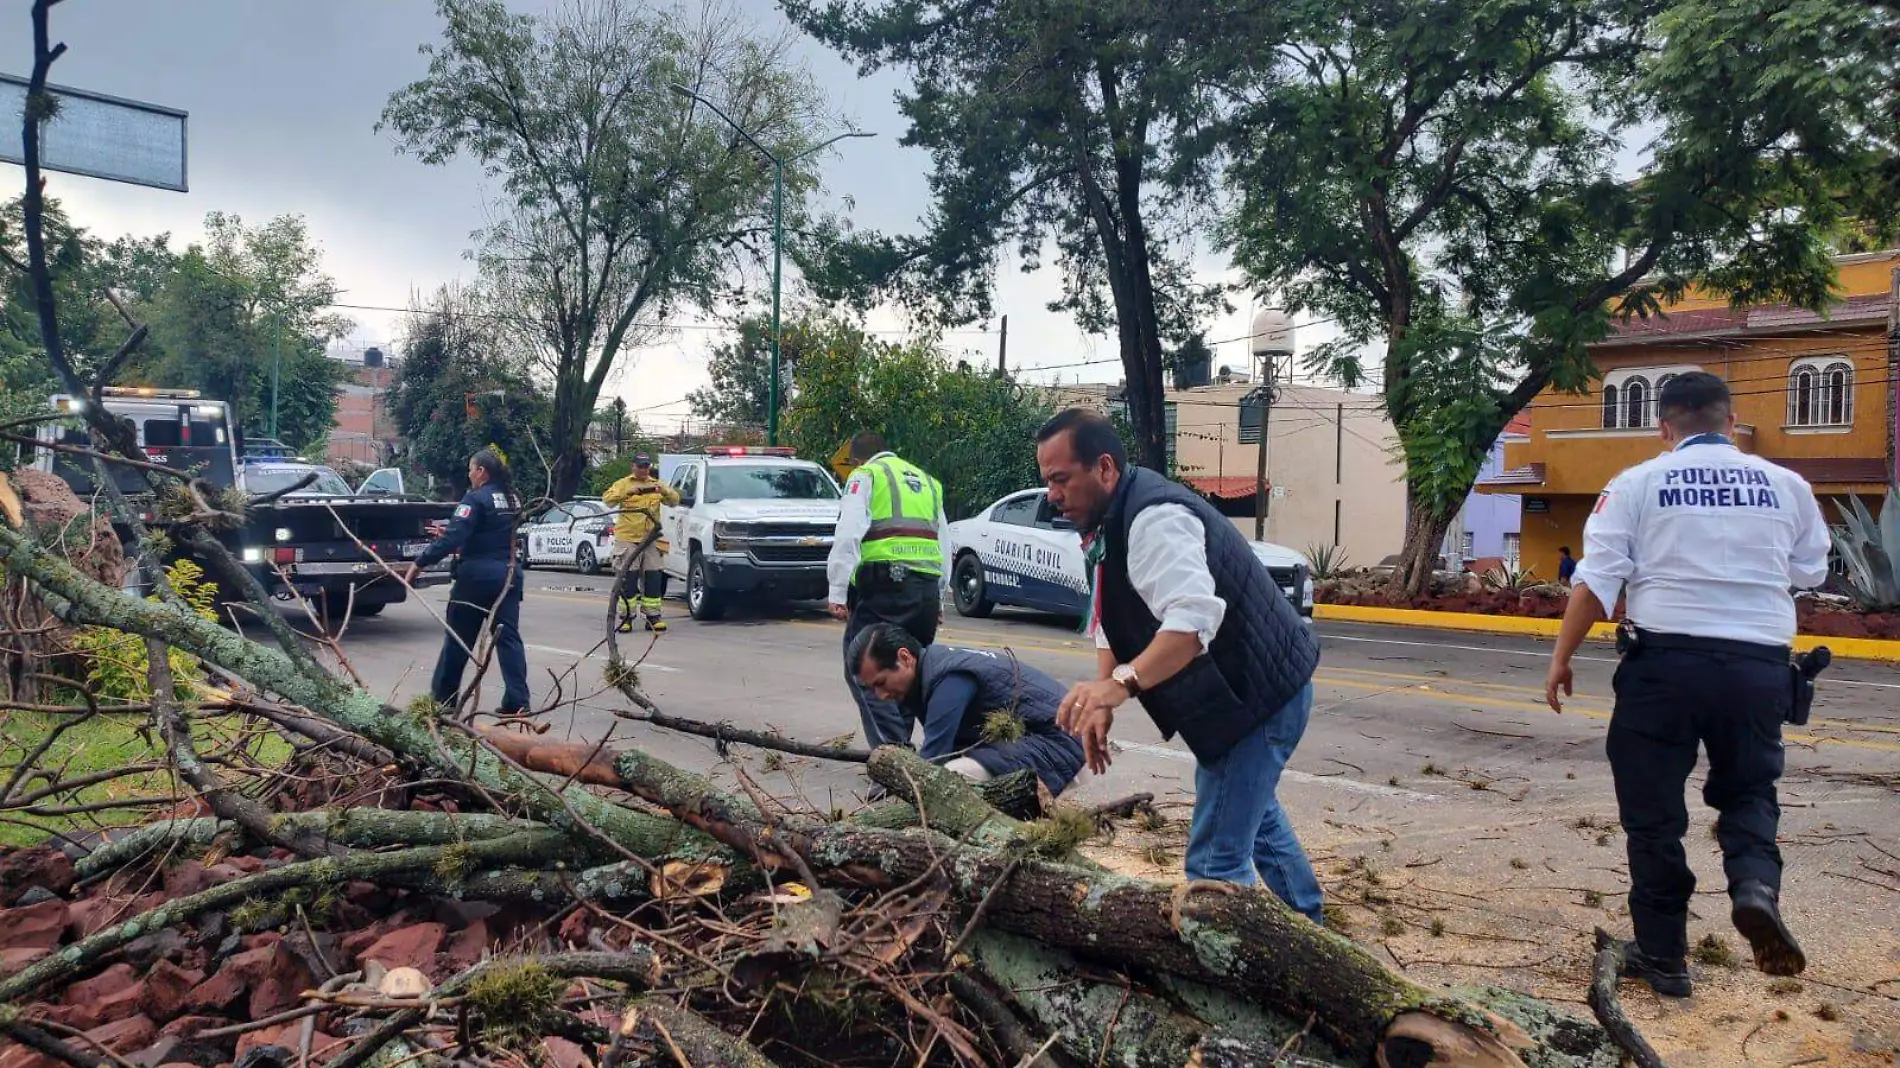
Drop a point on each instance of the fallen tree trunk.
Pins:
(1241, 941)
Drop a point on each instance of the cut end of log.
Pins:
(678, 879)
(1422, 1040)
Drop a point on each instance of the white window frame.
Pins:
(1617, 411)
(1826, 383)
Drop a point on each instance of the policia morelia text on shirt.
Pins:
(1703, 544)
(1190, 624)
(486, 580)
(887, 565)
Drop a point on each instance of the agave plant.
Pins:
(1871, 551)
(1325, 561)
(1503, 577)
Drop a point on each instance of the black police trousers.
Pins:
(1668, 700)
(470, 598)
(914, 603)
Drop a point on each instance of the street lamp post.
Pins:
(778, 236)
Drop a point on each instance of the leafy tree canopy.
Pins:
(624, 202)
(1440, 177)
(460, 388)
(973, 431)
(1050, 126)
(247, 307)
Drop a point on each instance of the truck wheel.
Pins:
(367, 610)
(971, 591)
(702, 600)
(585, 559)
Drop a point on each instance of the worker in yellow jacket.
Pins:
(637, 498)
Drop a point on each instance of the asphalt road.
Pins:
(1430, 752)
(1390, 702)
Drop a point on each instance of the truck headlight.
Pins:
(253, 556)
(723, 529)
(282, 534)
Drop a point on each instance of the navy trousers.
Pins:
(1667, 702)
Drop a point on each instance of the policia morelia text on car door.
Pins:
(486, 579)
(887, 565)
(1704, 544)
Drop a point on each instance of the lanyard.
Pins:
(1704, 439)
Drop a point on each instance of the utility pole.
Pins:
(276, 366)
(1893, 378)
(1271, 337)
(778, 236)
(1002, 350)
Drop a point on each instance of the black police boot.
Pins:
(1758, 917)
(1670, 979)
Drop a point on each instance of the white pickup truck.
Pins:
(1017, 552)
(753, 525)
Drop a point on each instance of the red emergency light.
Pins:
(749, 450)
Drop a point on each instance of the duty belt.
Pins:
(1649, 639)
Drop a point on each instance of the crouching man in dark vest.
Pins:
(955, 693)
(1188, 622)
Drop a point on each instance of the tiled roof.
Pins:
(1702, 321)
(1230, 487)
(1824, 470)
(1520, 424)
(1528, 475)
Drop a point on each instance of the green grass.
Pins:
(101, 744)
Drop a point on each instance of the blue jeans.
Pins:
(1240, 834)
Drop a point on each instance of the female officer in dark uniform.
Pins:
(483, 529)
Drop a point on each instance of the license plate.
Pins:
(414, 548)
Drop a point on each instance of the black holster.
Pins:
(1802, 670)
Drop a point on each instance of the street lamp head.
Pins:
(683, 91)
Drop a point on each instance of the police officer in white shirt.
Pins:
(1703, 545)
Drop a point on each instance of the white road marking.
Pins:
(1325, 637)
(1354, 785)
(644, 666)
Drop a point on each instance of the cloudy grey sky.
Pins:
(283, 96)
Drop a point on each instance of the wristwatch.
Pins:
(1128, 677)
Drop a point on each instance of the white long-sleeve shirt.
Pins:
(1708, 540)
(1167, 565)
(854, 521)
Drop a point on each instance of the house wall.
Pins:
(1488, 517)
(1331, 460)
(1580, 456)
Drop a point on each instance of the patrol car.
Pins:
(1018, 552)
(754, 525)
(578, 534)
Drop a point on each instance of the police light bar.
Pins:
(749, 450)
(147, 391)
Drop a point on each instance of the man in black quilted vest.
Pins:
(1188, 622)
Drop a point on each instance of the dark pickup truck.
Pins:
(320, 541)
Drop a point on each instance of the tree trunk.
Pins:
(1424, 537)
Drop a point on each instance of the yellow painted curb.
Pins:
(1846, 648)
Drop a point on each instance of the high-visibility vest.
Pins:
(903, 508)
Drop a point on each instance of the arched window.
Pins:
(1630, 394)
(1801, 398)
(1636, 402)
(1821, 392)
(1839, 390)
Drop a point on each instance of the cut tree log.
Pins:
(1102, 1024)
(683, 1037)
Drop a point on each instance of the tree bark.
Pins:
(1418, 559)
(681, 1036)
(1100, 1023)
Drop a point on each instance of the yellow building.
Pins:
(1812, 393)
